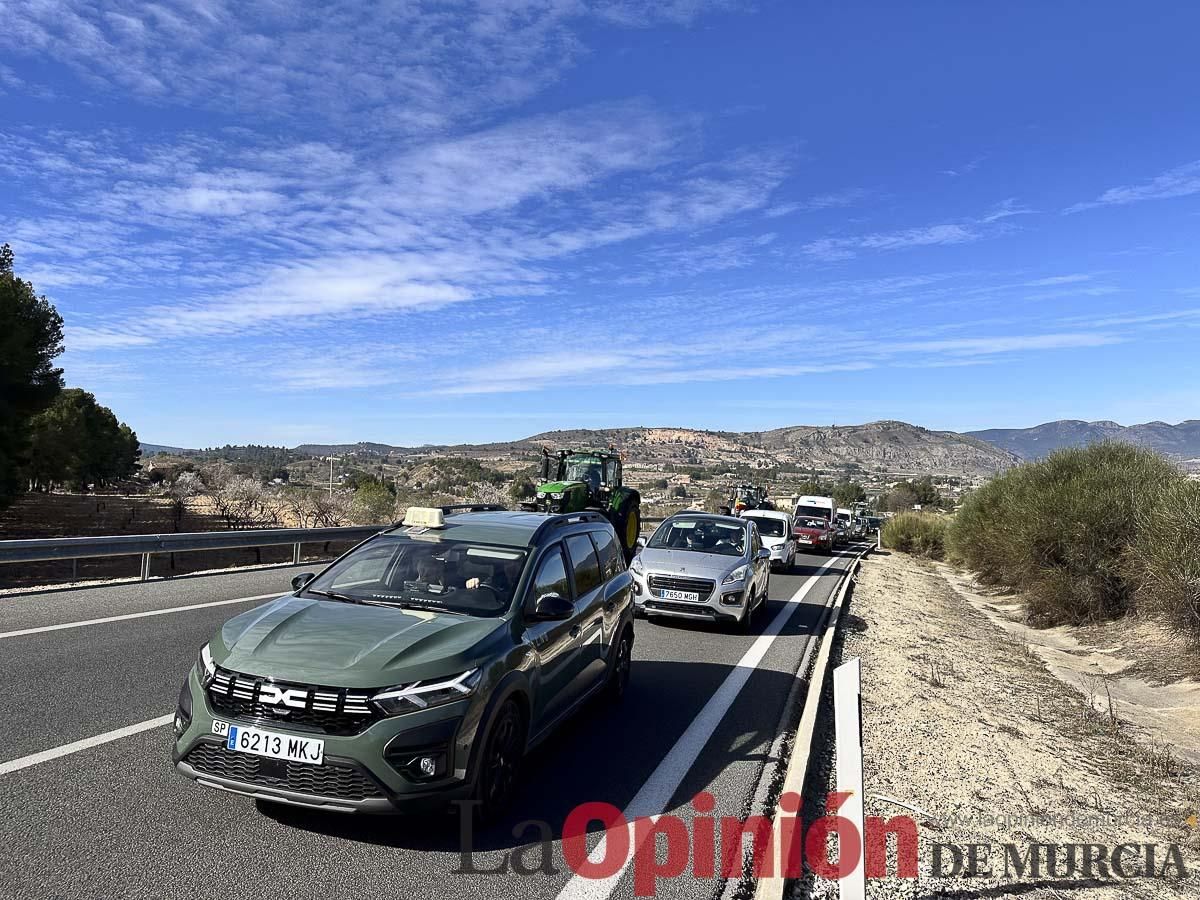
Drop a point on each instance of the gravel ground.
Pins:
(962, 722)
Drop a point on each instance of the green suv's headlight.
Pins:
(738, 574)
(557, 495)
(206, 669)
(407, 698)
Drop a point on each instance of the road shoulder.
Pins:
(962, 722)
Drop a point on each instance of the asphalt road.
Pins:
(114, 820)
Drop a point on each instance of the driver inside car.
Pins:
(503, 579)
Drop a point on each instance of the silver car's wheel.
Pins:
(746, 625)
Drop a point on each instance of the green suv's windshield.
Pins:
(424, 572)
(701, 536)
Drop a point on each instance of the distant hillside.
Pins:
(155, 449)
(1180, 441)
(876, 447)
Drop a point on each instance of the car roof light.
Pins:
(424, 517)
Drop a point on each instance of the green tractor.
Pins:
(575, 480)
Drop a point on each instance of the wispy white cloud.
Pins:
(220, 239)
(835, 200)
(1007, 208)
(966, 168)
(404, 68)
(1178, 182)
(1054, 280)
(834, 249)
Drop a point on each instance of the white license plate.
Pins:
(678, 595)
(806, 540)
(271, 744)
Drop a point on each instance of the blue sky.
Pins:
(455, 221)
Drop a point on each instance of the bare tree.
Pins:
(243, 503)
(185, 486)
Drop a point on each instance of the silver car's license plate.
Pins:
(667, 594)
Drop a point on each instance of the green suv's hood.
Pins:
(345, 645)
(554, 487)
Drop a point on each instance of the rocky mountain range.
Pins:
(1181, 442)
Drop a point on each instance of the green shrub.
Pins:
(921, 534)
(1061, 530)
(1164, 563)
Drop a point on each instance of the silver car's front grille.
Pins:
(702, 586)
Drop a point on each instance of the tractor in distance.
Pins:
(749, 496)
(577, 479)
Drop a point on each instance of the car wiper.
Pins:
(334, 595)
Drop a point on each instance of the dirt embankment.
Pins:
(965, 723)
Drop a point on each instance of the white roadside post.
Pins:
(847, 717)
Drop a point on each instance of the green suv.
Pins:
(418, 668)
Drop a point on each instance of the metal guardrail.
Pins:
(147, 545)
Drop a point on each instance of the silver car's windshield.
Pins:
(700, 536)
(424, 573)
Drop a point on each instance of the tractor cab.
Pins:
(577, 479)
(573, 480)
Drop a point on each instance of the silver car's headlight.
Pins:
(405, 698)
(738, 574)
(636, 567)
(206, 669)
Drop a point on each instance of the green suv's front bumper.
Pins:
(371, 771)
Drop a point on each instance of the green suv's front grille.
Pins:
(301, 706)
(327, 780)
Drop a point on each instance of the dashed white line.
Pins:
(138, 615)
(33, 759)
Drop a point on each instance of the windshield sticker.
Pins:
(493, 554)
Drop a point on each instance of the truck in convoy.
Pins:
(813, 523)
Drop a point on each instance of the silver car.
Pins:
(702, 566)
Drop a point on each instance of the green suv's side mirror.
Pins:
(551, 608)
(301, 580)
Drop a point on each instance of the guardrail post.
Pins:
(296, 554)
(847, 716)
(879, 539)
(145, 567)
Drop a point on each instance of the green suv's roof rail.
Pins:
(562, 520)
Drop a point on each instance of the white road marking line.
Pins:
(655, 794)
(33, 759)
(138, 615)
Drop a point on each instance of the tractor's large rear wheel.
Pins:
(629, 528)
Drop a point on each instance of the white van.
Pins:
(815, 508)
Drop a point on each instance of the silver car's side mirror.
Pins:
(301, 580)
(639, 545)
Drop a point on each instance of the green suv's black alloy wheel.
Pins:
(618, 679)
(502, 760)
